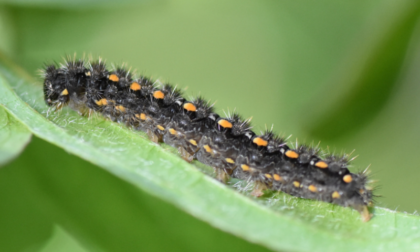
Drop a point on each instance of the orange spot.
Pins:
(245, 167)
(268, 176)
(88, 73)
(101, 102)
(348, 178)
(225, 123)
(277, 177)
(193, 142)
(336, 195)
(120, 108)
(296, 183)
(321, 164)
(135, 86)
(292, 154)
(160, 127)
(143, 116)
(172, 131)
(65, 92)
(114, 78)
(190, 107)
(207, 148)
(158, 94)
(259, 141)
(230, 161)
(361, 191)
(312, 188)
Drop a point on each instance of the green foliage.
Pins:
(344, 72)
(372, 72)
(13, 137)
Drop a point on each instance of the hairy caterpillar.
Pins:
(226, 143)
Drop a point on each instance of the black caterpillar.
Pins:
(227, 144)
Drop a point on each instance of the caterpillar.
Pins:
(225, 143)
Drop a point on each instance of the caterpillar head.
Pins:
(55, 89)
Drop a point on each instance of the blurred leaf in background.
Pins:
(343, 72)
(13, 135)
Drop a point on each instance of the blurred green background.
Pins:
(341, 72)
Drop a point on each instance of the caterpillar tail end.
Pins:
(365, 214)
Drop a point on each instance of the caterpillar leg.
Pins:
(89, 113)
(84, 112)
(221, 175)
(59, 106)
(185, 154)
(152, 136)
(364, 212)
(258, 189)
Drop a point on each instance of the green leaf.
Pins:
(23, 225)
(369, 76)
(278, 221)
(62, 241)
(13, 137)
(69, 4)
